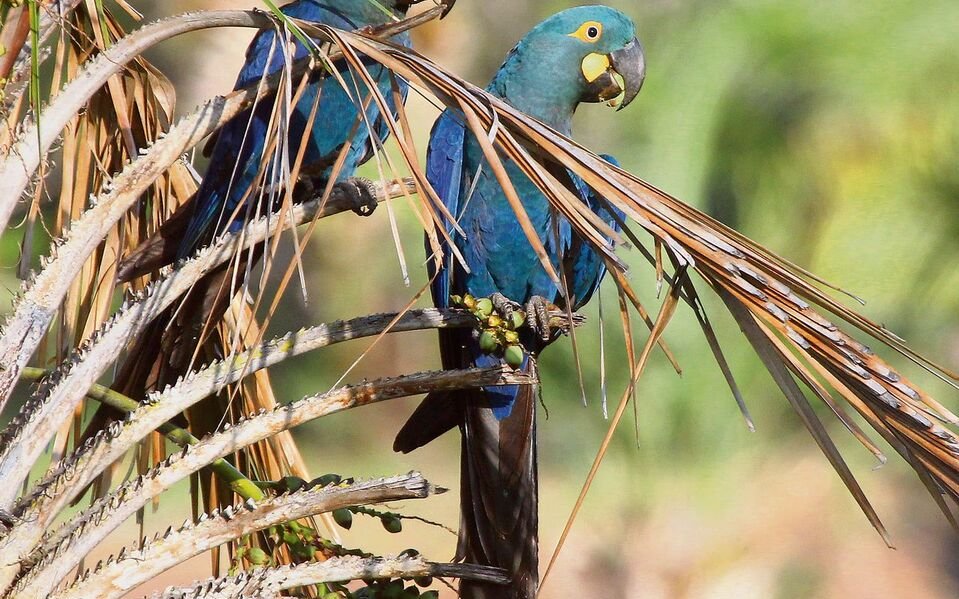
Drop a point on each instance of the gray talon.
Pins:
(360, 192)
(504, 306)
(537, 316)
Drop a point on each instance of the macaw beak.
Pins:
(630, 63)
(615, 78)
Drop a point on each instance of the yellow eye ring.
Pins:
(589, 32)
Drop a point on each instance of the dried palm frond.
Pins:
(780, 307)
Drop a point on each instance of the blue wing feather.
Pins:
(444, 169)
(588, 267)
(237, 157)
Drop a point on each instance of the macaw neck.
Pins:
(541, 106)
(531, 80)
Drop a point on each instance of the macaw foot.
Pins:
(537, 316)
(537, 312)
(359, 192)
(504, 306)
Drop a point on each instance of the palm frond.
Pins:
(123, 145)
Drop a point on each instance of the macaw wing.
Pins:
(233, 150)
(444, 169)
(586, 267)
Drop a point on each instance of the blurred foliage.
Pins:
(827, 131)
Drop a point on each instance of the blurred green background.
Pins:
(829, 132)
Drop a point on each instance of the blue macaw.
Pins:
(238, 154)
(237, 160)
(585, 54)
(221, 203)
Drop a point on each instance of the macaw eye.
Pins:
(590, 31)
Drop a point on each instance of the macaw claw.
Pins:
(537, 316)
(504, 306)
(358, 192)
(536, 313)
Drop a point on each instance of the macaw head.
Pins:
(583, 54)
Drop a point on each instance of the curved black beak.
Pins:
(630, 63)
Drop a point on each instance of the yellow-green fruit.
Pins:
(518, 319)
(484, 307)
(495, 321)
(257, 556)
(469, 301)
(514, 356)
(511, 336)
(487, 341)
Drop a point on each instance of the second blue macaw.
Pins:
(585, 54)
(239, 161)
(227, 196)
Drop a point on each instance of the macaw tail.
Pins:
(498, 483)
(498, 495)
(165, 350)
(160, 249)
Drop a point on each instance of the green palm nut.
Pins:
(517, 319)
(290, 538)
(488, 341)
(513, 356)
(430, 595)
(423, 581)
(392, 524)
(257, 556)
(512, 337)
(343, 517)
(469, 301)
(484, 307)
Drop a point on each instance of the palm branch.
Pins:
(801, 333)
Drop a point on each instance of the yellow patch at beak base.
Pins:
(594, 65)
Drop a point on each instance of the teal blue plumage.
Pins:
(226, 199)
(544, 76)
